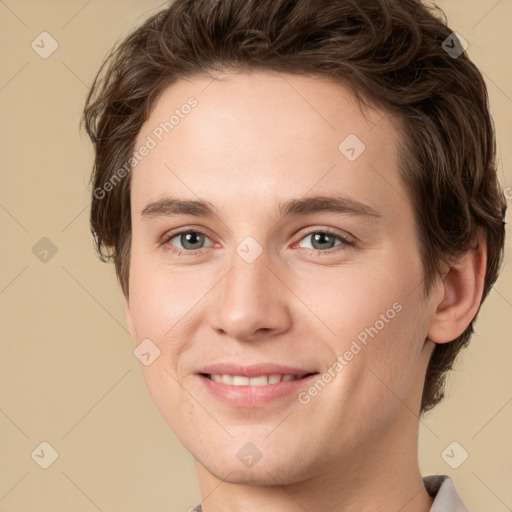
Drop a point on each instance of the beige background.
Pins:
(68, 373)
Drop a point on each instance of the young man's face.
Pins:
(255, 287)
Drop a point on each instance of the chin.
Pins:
(263, 475)
(273, 469)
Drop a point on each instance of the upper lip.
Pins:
(254, 370)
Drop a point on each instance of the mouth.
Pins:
(258, 380)
(256, 390)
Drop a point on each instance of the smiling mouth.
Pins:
(260, 380)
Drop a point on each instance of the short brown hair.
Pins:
(390, 52)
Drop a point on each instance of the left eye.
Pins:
(324, 240)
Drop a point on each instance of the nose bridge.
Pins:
(250, 296)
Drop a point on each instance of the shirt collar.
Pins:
(442, 489)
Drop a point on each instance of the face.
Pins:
(291, 251)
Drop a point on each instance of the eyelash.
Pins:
(326, 231)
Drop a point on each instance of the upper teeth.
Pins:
(261, 380)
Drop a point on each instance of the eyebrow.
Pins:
(172, 206)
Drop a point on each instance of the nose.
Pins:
(251, 301)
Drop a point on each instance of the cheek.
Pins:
(162, 298)
(393, 352)
(365, 301)
(380, 321)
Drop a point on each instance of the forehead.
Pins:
(245, 135)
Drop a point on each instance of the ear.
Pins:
(463, 286)
(129, 318)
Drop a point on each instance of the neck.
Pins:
(380, 476)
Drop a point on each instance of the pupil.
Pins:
(319, 236)
(188, 240)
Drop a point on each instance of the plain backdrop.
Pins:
(68, 376)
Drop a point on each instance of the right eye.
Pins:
(190, 239)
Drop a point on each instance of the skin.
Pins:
(256, 140)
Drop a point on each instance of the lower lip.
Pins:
(254, 396)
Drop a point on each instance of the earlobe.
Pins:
(128, 316)
(463, 286)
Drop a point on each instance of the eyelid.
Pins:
(341, 235)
